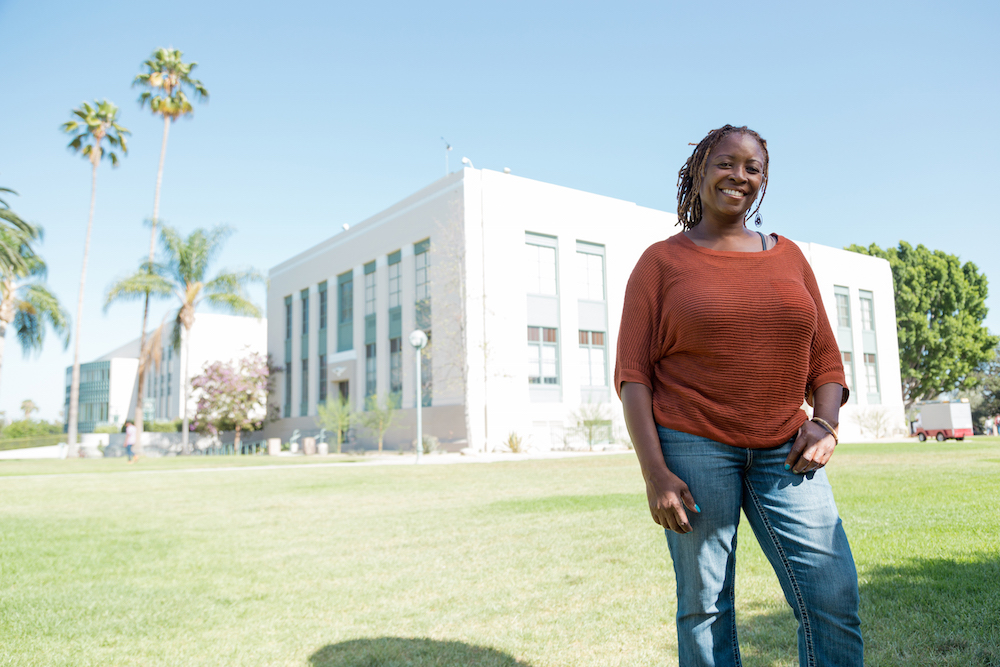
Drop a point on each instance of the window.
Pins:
(848, 360)
(593, 368)
(426, 374)
(288, 389)
(871, 373)
(541, 269)
(396, 370)
(370, 303)
(843, 307)
(423, 285)
(305, 311)
(590, 274)
(543, 366)
(322, 305)
(867, 311)
(370, 288)
(395, 289)
(345, 311)
(304, 400)
(423, 263)
(321, 394)
(370, 385)
(288, 318)
(344, 388)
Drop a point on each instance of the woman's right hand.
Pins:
(668, 495)
(669, 499)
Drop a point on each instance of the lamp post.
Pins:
(418, 339)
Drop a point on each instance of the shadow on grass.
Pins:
(409, 652)
(926, 611)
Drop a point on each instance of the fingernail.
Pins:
(697, 509)
(788, 466)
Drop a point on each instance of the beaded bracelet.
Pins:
(828, 428)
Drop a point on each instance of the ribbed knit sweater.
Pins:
(729, 343)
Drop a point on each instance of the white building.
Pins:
(108, 384)
(519, 285)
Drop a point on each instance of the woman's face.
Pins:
(732, 178)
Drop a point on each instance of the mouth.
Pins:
(733, 193)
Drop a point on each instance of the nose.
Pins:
(739, 173)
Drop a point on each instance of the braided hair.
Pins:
(691, 174)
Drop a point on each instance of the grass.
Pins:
(521, 564)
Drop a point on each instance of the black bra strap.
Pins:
(763, 240)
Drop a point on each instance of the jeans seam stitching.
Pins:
(803, 613)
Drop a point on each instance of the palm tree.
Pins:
(27, 407)
(166, 77)
(27, 303)
(16, 239)
(182, 275)
(92, 125)
(24, 299)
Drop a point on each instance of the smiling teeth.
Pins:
(733, 193)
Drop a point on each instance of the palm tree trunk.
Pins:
(74, 387)
(139, 403)
(185, 424)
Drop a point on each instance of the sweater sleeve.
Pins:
(637, 336)
(825, 363)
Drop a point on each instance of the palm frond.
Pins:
(235, 304)
(138, 285)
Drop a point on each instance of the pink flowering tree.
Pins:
(232, 396)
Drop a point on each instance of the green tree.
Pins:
(940, 308)
(378, 417)
(181, 274)
(165, 78)
(27, 407)
(25, 301)
(92, 126)
(336, 415)
(985, 398)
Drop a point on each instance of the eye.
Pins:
(753, 170)
(724, 164)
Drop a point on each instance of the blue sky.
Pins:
(879, 118)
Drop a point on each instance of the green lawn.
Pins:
(528, 563)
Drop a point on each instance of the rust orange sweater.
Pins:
(728, 342)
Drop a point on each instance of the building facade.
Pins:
(108, 384)
(519, 285)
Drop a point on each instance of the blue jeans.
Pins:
(796, 523)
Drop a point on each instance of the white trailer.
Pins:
(942, 421)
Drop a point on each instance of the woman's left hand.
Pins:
(813, 447)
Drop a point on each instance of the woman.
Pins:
(723, 334)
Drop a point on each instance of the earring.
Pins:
(757, 221)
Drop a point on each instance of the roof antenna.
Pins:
(447, 149)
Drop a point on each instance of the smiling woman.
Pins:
(723, 334)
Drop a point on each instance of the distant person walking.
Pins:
(130, 433)
(723, 335)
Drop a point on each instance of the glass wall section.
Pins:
(370, 371)
(593, 359)
(345, 311)
(396, 371)
(395, 329)
(304, 400)
(421, 253)
(286, 408)
(324, 301)
(543, 356)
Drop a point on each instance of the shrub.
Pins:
(514, 442)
